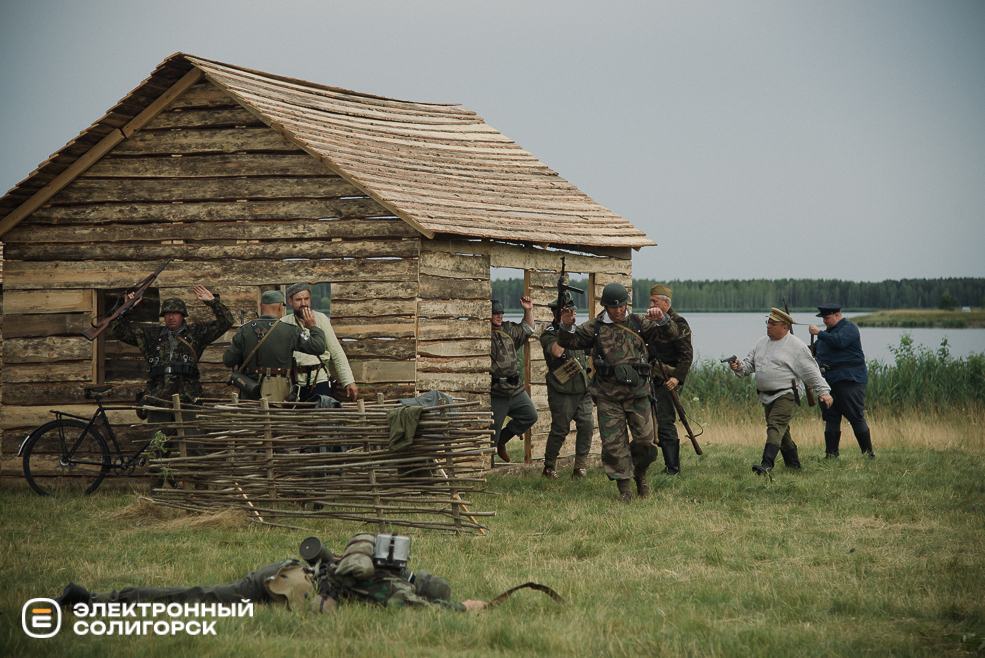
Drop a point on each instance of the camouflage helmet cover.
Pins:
(615, 294)
(173, 305)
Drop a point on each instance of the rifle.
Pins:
(680, 411)
(123, 304)
(562, 289)
(810, 394)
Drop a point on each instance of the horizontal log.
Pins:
(211, 189)
(451, 288)
(210, 166)
(454, 309)
(48, 301)
(206, 211)
(428, 329)
(36, 325)
(532, 258)
(29, 417)
(451, 382)
(46, 350)
(370, 308)
(378, 372)
(204, 118)
(374, 328)
(346, 291)
(455, 348)
(58, 394)
(120, 274)
(436, 263)
(220, 140)
(370, 348)
(79, 371)
(455, 364)
(308, 249)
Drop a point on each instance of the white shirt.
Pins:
(333, 352)
(777, 362)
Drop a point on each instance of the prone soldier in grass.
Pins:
(621, 383)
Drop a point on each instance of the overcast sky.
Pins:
(749, 139)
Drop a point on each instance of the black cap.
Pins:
(827, 309)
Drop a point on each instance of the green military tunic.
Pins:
(568, 401)
(676, 355)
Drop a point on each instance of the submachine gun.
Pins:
(562, 290)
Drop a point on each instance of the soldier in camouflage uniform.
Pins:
(297, 584)
(568, 400)
(620, 384)
(671, 361)
(271, 363)
(173, 351)
(507, 392)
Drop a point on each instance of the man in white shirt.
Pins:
(779, 359)
(313, 375)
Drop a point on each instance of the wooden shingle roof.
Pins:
(438, 167)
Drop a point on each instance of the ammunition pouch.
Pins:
(182, 369)
(629, 374)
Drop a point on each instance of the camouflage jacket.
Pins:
(505, 342)
(179, 350)
(279, 348)
(675, 353)
(577, 384)
(619, 344)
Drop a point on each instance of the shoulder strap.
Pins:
(247, 359)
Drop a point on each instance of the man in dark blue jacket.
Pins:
(839, 353)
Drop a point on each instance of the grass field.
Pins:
(847, 557)
(923, 318)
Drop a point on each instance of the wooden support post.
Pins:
(376, 501)
(268, 436)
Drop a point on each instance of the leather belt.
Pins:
(306, 369)
(779, 390)
(272, 372)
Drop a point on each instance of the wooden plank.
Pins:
(36, 325)
(374, 328)
(403, 349)
(209, 165)
(436, 263)
(453, 382)
(204, 118)
(120, 274)
(533, 258)
(444, 288)
(455, 364)
(29, 417)
(428, 329)
(456, 308)
(352, 291)
(46, 301)
(455, 348)
(376, 372)
(112, 190)
(207, 211)
(308, 249)
(78, 371)
(46, 350)
(176, 90)
(372, 308)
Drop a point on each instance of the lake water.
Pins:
(717, 335)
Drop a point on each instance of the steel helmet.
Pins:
(173, 305)
(614, 294)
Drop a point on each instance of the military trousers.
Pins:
(521, 410)
(567, 407)
(779, 413)
(626, 430)
(249, 587)
(849, 401)
(666, 415)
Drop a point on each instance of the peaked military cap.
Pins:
(272, 297)
(301, 286)
(173, 305)
(777, 315)
(828, 309)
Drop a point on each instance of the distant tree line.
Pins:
(800, 294)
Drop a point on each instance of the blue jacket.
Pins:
(839, 345)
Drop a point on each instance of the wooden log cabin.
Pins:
(255, 181)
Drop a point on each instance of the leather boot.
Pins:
(642, 486)
(504, 437)
(579, 471)
(769, 456)
(865, 443)
(831, 441)
(672, 457)
(549, 469)
(73, 594)
(625, 492)
(790, 458)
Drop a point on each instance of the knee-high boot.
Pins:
(831, 441)
(769, 457)
(672, 457)
(865, 443)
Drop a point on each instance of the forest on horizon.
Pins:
(801, 294)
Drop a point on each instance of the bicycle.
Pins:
(74, 455)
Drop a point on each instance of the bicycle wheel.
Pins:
(65, 457)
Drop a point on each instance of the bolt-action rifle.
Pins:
(810, 394)
(123, 304)
(680, 411)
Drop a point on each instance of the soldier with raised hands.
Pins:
(508, 395)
